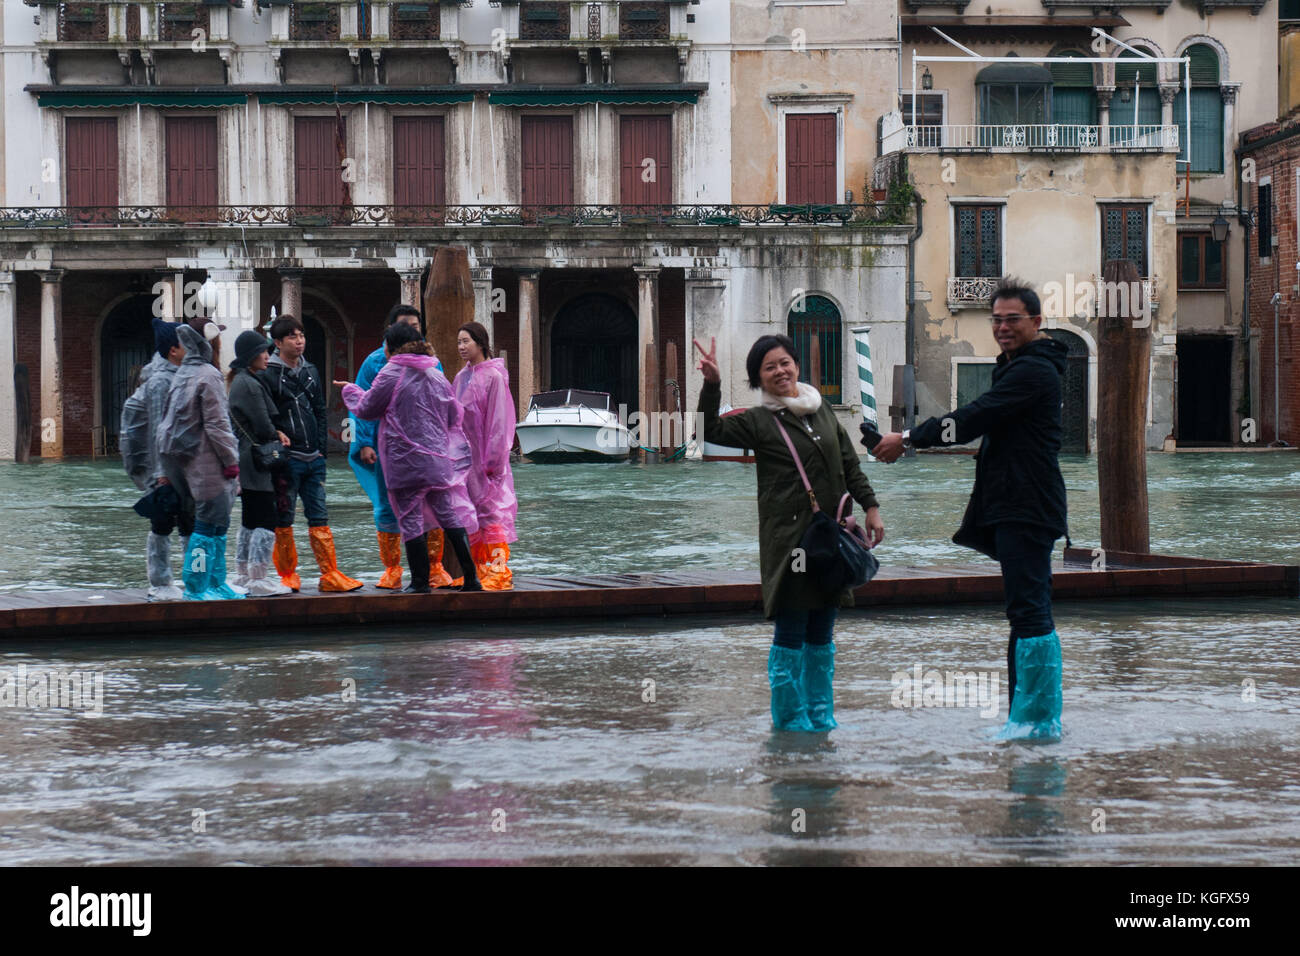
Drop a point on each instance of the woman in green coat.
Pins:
(801, 663)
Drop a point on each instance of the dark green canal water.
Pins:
(537, 743)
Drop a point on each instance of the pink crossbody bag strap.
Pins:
(849, 522)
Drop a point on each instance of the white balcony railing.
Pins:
(1024, 137)
(970, 292)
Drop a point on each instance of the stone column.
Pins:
(8, 335)
(1228, 91)
(1104, 93)
(410, 280)
(706, 318)
(1167, 95)
(647, 328)
(482, 277)
(238, 307)
(530, 335)
(291, 292)
(50, 424)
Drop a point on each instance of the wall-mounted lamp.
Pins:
(927, 80)
(1125, 94)
(1219, 229)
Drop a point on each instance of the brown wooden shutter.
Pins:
(419, 167)
(547, 160)
(318, 181)
(91, 168)
(192, 167)
(642, 138)
(810, 173)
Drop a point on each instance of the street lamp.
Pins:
(927, 80)
(1219, 229)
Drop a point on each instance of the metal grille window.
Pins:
(314, 21)
(415, 21)
(1124, 235)
(83, 21)
(1200, 261)
(1265, 220)
(177, 21)
(643, 21)
(819, 318)
(1207, 112)
(544, 20)
(978, 251)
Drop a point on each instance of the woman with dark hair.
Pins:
(483, 390)
(251, 411)
(801, 663)
(423, 450)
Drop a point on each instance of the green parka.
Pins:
(784, 511)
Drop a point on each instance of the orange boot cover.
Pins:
(331, 578)
(286, 558)
(438, 576)
(497, 576)
(390, 552)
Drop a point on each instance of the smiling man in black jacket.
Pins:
(1017, 509)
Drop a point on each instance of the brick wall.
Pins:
(1277, 162)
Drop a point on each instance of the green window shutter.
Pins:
(1205, 65)
(973, 380)
(1207, 129)
(1074, 106)
(1130, 66)
(1071, 74)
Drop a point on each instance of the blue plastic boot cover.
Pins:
(218, 589)
(196, 566)
(818, 670)
(785, 674)
(1036, 708)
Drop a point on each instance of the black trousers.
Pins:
(259, 510)
(1025, 553)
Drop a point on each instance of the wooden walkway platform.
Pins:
(125, 612)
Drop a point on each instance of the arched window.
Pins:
(819, 318)
(1074, 99)
(1135, 107)
(1207, 111)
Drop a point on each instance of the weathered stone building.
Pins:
(1046, 170)
(624, 175)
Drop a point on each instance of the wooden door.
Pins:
(546, 144)
(810, 158)
(646, 160)
(419, 168)
(192, 168)
(318, 180)
(90, 151)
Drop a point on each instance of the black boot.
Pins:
(460, 544)
(417, 559)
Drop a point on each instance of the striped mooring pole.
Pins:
(866, 381)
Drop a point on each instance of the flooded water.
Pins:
(649, 741)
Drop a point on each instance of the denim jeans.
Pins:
(306, 479)
(798, 626)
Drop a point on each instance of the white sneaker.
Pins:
(165, 593)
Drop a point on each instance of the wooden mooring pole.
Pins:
(1123, 379)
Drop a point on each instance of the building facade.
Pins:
(1047, 169)
(163, 158)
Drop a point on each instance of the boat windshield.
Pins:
(571, 396)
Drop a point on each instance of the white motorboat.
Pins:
(571, 424)
(712, 452)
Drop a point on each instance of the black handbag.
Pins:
(267, 455)
(837, 551)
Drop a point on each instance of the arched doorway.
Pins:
(1074, 392)
(593, 346)
(125, 346)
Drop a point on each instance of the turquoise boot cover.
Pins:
(1036, 708)
(218, 589)
(196, 566)
(785, 674)
(818, 669)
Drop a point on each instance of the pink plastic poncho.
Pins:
(422, 448)
(483, 391)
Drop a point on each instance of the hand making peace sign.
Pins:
(709, 361)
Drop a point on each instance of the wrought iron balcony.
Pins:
(414, 21)
(177, 21)
(82, 22)
(530, 216)
(970, 292)
(643, 21)
(313, 21)
(544, 20)
(1018, 138)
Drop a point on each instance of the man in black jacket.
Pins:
(1017, 509)
(299, 395)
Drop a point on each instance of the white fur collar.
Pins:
(806, 402)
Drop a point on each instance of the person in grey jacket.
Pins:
(141, 415)
(201, 457)
(251, 410)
